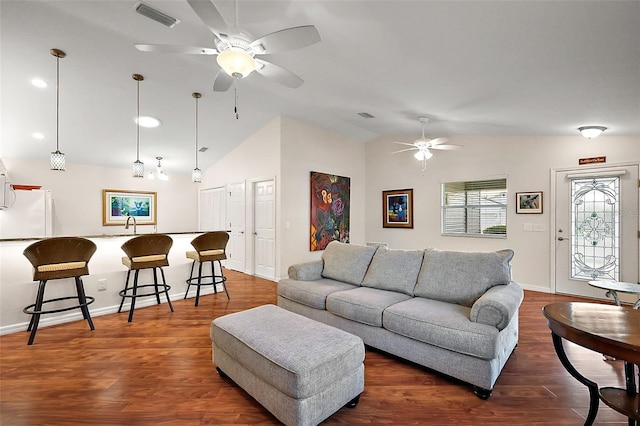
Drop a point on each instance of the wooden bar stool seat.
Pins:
(209, 247)
(53, 259)
(146, 252)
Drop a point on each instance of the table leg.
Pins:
(594, 396)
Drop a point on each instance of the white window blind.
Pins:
(475, 208)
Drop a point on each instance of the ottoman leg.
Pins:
(222, 373)
(353, 402)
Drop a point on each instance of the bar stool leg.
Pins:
(199, 284)
(166, 291)
(82, 298)
(213, 277)
(189, 280)
(224, 284)
(135, 292)
(155, 285)
(35, 318)
(126, 287)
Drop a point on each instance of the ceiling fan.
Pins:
(423, 146)
(237, 54)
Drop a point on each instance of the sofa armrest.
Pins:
(498, 305)
(308, 271)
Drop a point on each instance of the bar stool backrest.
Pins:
(216, 240)
(148, 245)
(75, 252)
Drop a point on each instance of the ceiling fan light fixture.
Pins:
(236, 62)
(422, 155)
(591, 132)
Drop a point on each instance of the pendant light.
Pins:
(57, 157)
(138, 166)
(196, 174)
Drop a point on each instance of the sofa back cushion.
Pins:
(346, 262)
(394, 270)
(462, 277)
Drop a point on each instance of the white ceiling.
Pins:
(472, 67)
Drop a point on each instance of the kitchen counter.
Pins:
(130, 234)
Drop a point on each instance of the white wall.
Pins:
(77, 194)
(306, 148)
(525, 161)
(288, 150)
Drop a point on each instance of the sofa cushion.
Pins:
(310, 293)
(462, 277)
(363, 304)
(394, 270)
(442, 324)
(346, 262)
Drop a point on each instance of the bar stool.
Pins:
(146, 252)
(209, 247)
(58, 258)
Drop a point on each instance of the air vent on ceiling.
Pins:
(156, 15)
(366, 115)
(203, 149)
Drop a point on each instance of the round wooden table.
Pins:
(611, 330)
(613, 287)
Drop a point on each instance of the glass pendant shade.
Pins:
(236, 62)
(57, 160)
(138, 169)
(196, 175)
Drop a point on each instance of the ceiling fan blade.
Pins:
(408, 144)
(171, 48)
(287, 39)
(438, 141)
(222, 82)
(279, 74)
(209, 14)
(448, 147)
(404, 150)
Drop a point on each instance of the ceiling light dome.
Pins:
(591, 132)
(147, 121)
(236, 62)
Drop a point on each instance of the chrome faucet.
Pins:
(126, 225)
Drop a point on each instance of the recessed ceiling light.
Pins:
(38, 82)
(38, 135)
(146, 121)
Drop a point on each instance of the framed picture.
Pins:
(529, 202)
(117, 205)
(397, 208)
(330, 207)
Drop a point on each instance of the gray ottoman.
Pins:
(301, 370)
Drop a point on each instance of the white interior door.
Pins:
(265, 229)
(236, 227)
(212, 209)
(596, 235)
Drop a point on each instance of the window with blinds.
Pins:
(477, 208)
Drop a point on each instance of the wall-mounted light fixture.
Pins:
(196, 174)
(591, 132)
(57, 157)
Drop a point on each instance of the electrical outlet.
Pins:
(102, 285)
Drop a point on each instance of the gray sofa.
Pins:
(452, 312)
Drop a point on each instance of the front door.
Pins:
(596, 235)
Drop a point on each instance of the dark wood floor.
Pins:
(158, 371)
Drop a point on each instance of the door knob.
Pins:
(560, 238)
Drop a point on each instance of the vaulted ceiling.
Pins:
(472, 67)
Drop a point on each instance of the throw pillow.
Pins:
(346, 262)
(394, 270)
(462, 277)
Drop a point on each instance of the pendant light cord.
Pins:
(57, 103)
(138, 122)
(197, 131)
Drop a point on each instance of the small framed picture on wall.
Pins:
(397, 208)
(529, 202)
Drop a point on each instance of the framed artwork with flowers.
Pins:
(397, 208)
(330, 205)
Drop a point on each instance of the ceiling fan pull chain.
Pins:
(235, 108)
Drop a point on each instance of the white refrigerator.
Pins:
(26, 214)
